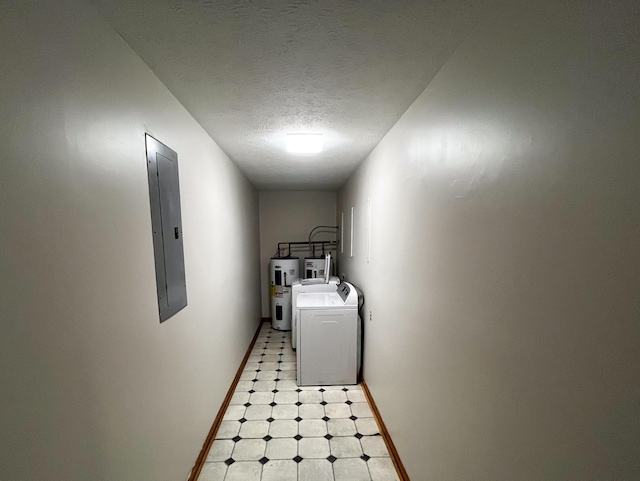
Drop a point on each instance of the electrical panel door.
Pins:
(166, 221)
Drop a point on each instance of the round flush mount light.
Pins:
(304, 144)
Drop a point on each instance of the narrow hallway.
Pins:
(274, 430)
(479, 173)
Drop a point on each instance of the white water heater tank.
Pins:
(282, 272)
(313, 267)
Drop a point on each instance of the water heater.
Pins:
(314, 267)
(282, 272)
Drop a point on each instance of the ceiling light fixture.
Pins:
(304, 144)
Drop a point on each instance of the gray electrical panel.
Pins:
(166, 221)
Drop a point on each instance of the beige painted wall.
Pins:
(93, 387)
(504, 280)
(289, 216)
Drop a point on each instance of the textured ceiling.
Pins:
(252, 71)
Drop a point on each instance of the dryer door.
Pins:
(327, 353)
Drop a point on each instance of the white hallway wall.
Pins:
(504, 279)
(290, 216)
(93, 387)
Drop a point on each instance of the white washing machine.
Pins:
(300, 286)
(328, 337)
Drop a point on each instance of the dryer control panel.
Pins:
(343, 291)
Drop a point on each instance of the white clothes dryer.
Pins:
(328, 344)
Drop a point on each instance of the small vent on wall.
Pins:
(352, 228)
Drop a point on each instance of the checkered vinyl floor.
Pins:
(274, 430)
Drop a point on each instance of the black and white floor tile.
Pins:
(274, 430)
